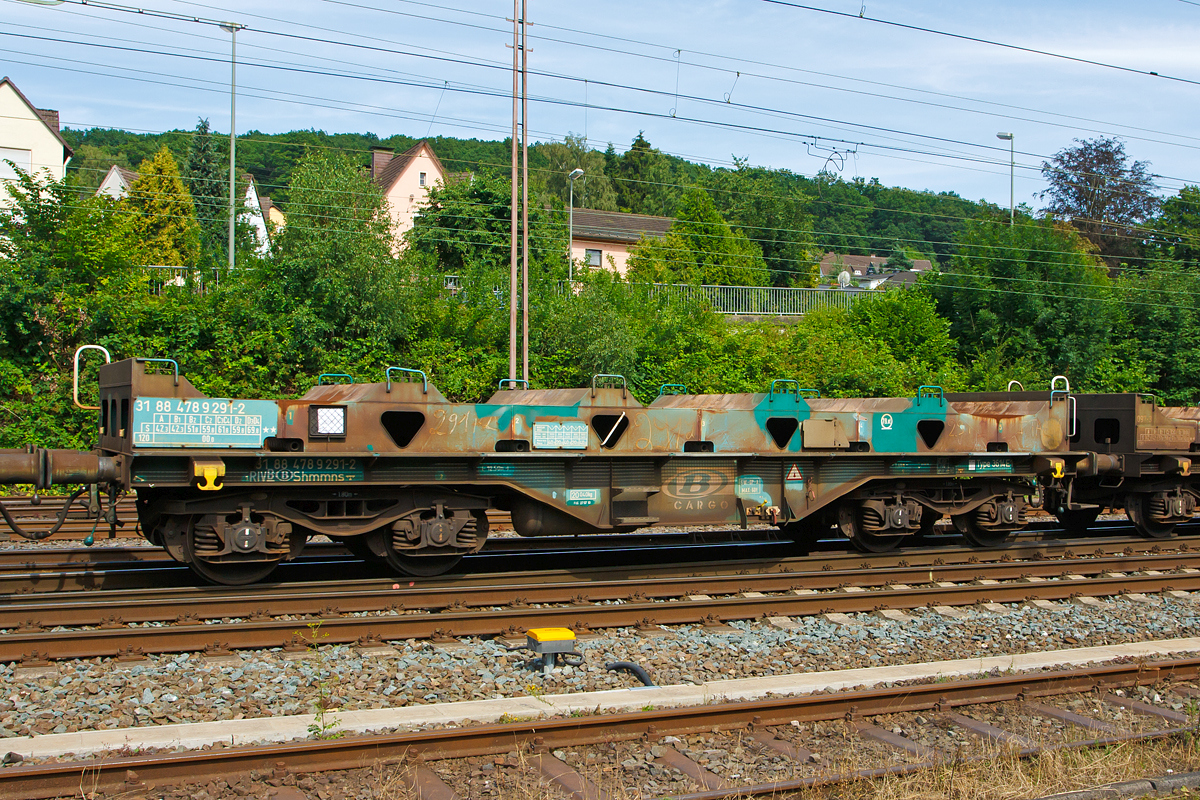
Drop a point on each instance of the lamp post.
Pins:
(1008, 137)
(232, 28)
(575, 173)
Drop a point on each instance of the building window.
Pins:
(422, 178)
(22, 158)
(593, 258)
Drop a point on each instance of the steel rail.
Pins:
(135, 576)
(508, 589)
(80, 558)
(23, 645)
(38, 781)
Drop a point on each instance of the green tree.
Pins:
(1095, 187)
(899, 259)
(643, 180)
(1030, 291)
(66, 279)
(164, 217)
(207, 180)
(593, 190)
(907, 322)
(1177, 229)
(699, 248)
(334, 277)
(771, 208)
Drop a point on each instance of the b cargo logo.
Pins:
(695, 484)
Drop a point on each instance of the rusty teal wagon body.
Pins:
(402, 475)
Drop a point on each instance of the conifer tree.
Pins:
(700, 248)
(206, 179)
(164, 217)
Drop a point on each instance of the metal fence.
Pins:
(780, 301)
(163, 278)
(775, 301)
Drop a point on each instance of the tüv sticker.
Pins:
(583, 497)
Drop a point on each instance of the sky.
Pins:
(862, 92)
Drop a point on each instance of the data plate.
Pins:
(560, 435)
(305, 469)
(583, 497)
(203, 422)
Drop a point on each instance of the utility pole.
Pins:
(524, 197)
(232, 28)
(512, 283)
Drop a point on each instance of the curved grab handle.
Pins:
(771, 394)
(1072, 407)
(921, 392)
(170, 361)
(681, 386)
(75, 384)
(513, 381)
(624, 384)
(1018, 383)
(321, 378)
(387, 373)
(816, 392)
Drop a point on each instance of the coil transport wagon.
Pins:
(403, 476)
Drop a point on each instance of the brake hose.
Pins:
(39, 535)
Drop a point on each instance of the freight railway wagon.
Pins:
(1129, 453)
(401, 475)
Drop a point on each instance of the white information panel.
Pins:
(560, 435)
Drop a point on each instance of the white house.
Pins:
(29, 138)
(116, 182)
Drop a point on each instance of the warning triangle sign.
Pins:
(794, 474)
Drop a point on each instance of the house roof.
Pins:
(834, 263)
(392, 171)
(48, 117)
(615, 226)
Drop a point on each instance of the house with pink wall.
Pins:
(406, 180)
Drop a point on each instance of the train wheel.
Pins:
(232, 573)
(978, 536)
(196, 532)
(1077, 521)
(1135, 509)
(422, 566)
(864, 541)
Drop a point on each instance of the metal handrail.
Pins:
(1072, 404)
(663, 389)
(771, 394)
(321, 378)
(513, 381)
(624, 383)
(387, 373)
(75, 383)
(170, 361)
(1018, 383)
(922, 393)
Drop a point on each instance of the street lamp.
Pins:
(1008, 137)
(575, 173)
(232, 28)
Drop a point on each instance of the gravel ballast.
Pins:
(104, 693)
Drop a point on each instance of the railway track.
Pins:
(218, 619)
(781, 744)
